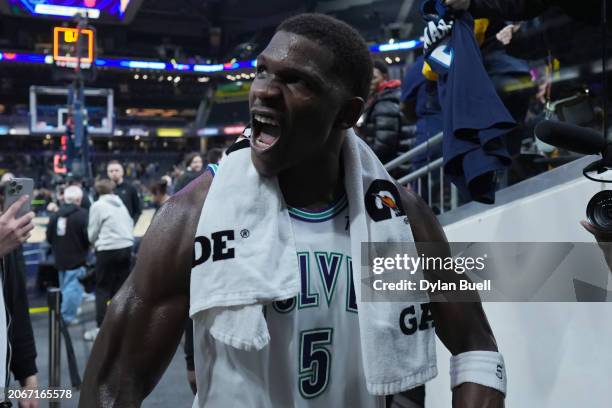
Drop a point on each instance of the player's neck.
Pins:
(315, 183)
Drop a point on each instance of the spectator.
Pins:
(110, 230)
(214, 155)
(13, 232)
(194, 165)
(169, 186)
(507, 72)
(516, 10)
(78, 181)
(159, 191)
(20, 336)
(381, 123)
(67, 234)
(125, 191)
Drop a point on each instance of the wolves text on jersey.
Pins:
(329, 269)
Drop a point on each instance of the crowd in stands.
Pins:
(88, 217)
(137, 183)
(401, 115)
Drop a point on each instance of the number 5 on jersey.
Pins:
(315, 361)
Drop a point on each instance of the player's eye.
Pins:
(293, 79)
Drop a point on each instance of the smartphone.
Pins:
(13, 190)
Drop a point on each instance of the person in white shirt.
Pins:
(110, 231)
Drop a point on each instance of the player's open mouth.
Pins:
(266, 131)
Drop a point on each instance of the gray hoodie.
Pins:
(110, 225)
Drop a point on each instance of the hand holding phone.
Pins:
(14, 189)
(15, 229)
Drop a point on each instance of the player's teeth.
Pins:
(266, 120)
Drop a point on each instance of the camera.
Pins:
(599, 210)
(585, 141)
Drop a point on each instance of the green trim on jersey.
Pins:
(322, 215)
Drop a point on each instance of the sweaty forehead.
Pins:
(296, 51)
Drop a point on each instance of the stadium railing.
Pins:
(445, 198)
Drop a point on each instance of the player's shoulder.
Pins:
(190, 199)
(168, 242)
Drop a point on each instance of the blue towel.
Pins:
(429, 115)
(475, 119)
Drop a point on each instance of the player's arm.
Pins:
(462, 327)
(144, 322)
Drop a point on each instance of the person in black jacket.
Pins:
(381, 123)
(517, 10)
(126, 191)
(15, 325)
(20, 335)
(67, 234)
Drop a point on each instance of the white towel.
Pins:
(245, 225)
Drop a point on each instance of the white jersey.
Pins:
(314, 355)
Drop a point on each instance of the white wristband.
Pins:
(481, 367)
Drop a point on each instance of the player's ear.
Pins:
(349, 113)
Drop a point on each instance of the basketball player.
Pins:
(311, 83)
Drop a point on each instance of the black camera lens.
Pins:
(19, 187)
(12, 191)
(599, 210)
(13, 183)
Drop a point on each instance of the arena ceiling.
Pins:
(201, 31)
(226, 28)
(214, 29)
(196, 31)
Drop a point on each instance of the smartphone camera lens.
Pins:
(13, 183)
(19, 187)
